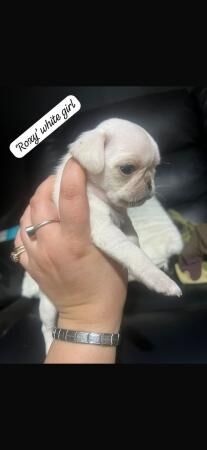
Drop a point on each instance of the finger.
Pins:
(23, 258)
(30, 244)
(73, 201)
(43, 208)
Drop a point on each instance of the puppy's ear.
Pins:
(88, 150)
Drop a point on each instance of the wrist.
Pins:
(90, 326)
(98, 315)
(90, 323)
(88, 318)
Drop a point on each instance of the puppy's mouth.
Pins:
(136, 203)
(140, 202)
(131, 204)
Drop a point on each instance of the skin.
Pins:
(87, 288)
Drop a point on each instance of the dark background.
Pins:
(23, 105)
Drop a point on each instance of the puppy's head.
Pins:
(120, 158)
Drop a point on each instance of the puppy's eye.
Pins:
(127, 169)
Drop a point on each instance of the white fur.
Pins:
(101, 152)
(158, 236)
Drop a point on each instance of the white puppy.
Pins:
(120, 158)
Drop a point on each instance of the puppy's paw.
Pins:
(169, 287)
(161, 283)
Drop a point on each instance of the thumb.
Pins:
(73, 201)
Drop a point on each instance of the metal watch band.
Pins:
(84, 337)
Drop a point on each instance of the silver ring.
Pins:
(31, 230)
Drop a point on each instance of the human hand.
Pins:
(87, 288)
